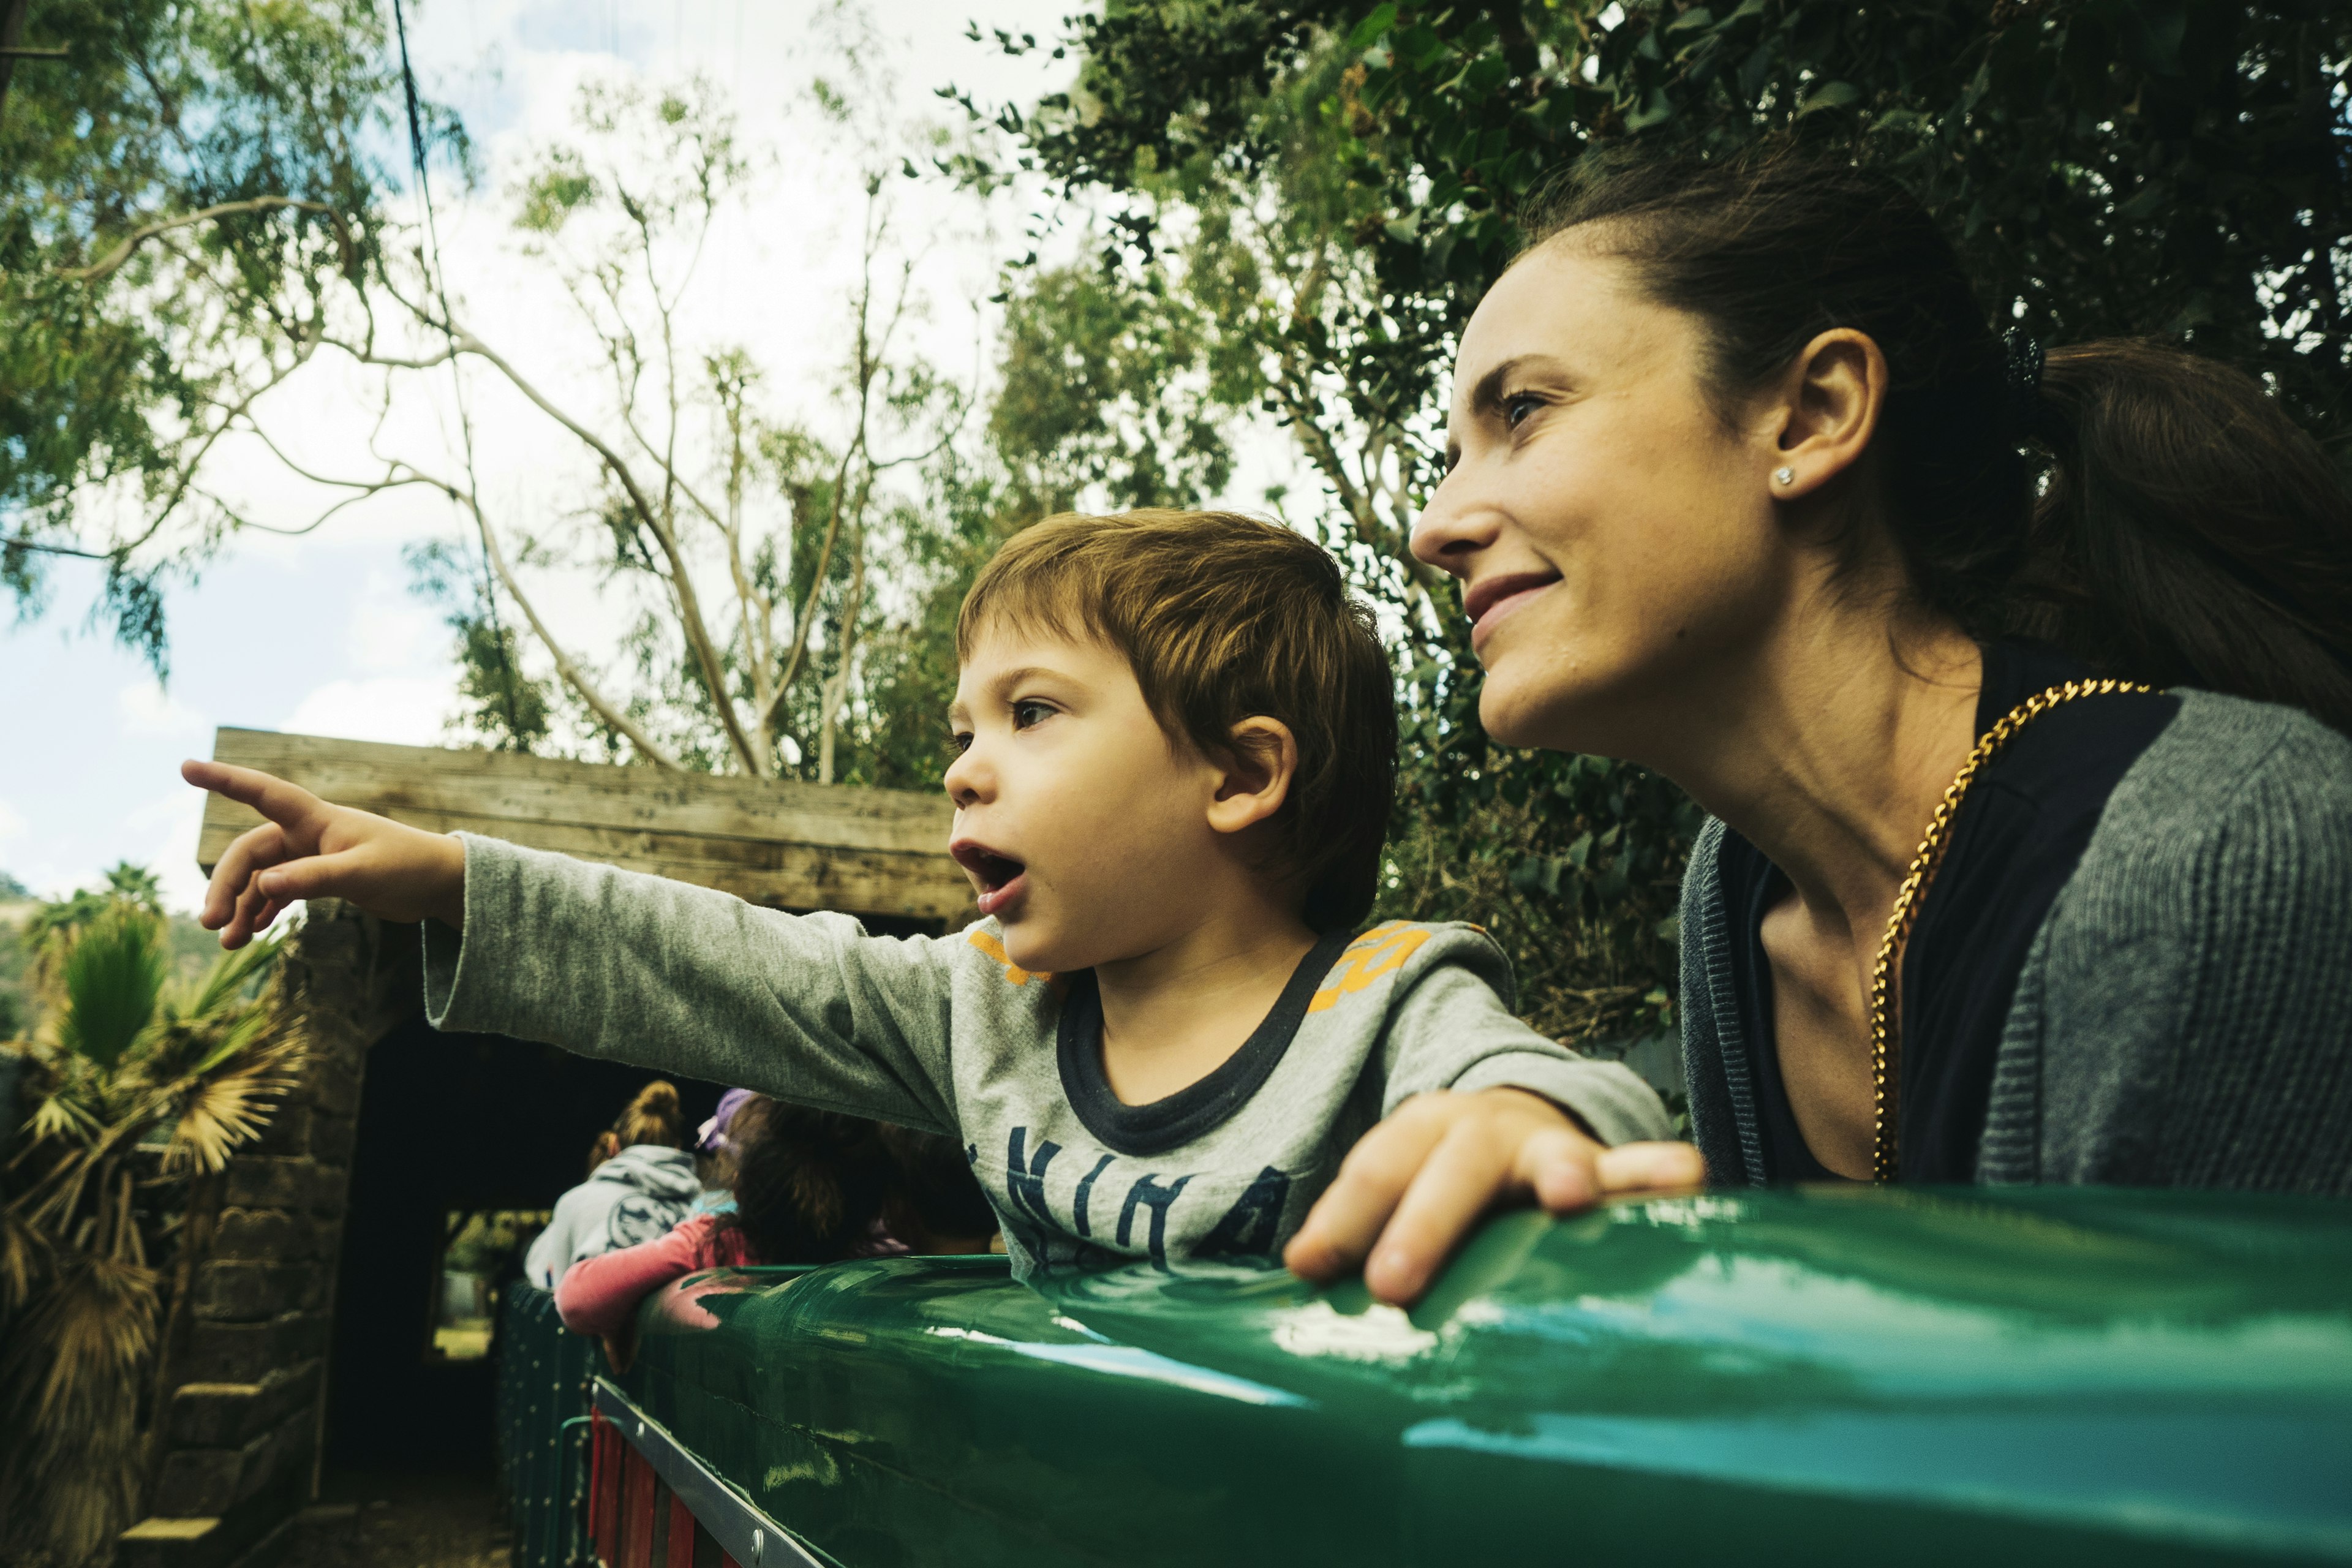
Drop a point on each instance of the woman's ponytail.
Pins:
(655, 1116)
(2187, 532)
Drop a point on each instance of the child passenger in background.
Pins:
(1176, 737)
(640, 1183)
(807, 1186)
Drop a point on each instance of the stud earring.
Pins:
(1784, 476)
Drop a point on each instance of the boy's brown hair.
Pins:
(1225, 617)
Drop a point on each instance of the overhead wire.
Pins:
(437, 276)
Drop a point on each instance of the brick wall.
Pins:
(245, 1359)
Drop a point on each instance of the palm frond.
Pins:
(219, 1111)
(113, 977)
(66, 1116)
(70, 1371)
(229, 975)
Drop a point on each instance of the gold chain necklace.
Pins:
(1886, 1028)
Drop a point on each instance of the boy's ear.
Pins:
(1258, 764)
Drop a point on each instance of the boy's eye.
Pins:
(1517, 407)
(1029, 711)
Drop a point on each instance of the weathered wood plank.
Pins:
(789, 844)
(544, 789)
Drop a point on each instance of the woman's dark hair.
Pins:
(935, 1203)
(2187, 532)
(809, 1184)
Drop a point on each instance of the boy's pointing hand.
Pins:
(1416, 1184)
(311, 848)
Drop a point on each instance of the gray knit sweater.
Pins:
(2184, 1017)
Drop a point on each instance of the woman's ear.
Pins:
(1826, 411)
(1257, 766)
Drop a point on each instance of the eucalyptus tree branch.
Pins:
(145, 232)
(697, 633)
(566, 666)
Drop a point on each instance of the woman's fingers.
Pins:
(1561, 1168)
(1467, 1169)
(1650, 1167)
(1340, 1228)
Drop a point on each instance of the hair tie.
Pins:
(2022, 377)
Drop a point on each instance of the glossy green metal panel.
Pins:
(1848, 1375)
(543, 1375)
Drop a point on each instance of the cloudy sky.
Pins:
(322, 635)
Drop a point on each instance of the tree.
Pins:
(139, 1087)
(180, 191)
(1333, 183)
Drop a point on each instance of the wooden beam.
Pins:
(787, 845)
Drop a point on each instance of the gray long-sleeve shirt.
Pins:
(945, 1034)
(2184, 1017)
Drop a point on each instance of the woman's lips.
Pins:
(1491, 602)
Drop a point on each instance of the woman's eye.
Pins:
(1517, 407)
(1027, 713)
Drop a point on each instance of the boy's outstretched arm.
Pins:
(1415, 1184)
(310, 849)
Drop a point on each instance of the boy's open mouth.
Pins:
(999, 877)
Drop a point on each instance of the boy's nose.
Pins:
(966, 778)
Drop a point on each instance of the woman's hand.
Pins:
(311, 849)
(1415, 1184)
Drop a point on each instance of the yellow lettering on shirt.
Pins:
(1380, 951)
(1013, 973)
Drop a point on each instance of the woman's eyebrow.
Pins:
(1487, 395)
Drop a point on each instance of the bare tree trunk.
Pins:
(837, 689)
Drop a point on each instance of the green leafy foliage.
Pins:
(177, 195)
(113, 973)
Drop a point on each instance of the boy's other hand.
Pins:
(311, 849)
(1416, 1184)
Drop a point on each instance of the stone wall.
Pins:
(243, 1393)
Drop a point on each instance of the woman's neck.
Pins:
(1828, 744)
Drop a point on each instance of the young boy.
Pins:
(1176, 736)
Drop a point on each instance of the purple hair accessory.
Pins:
(713, 1140)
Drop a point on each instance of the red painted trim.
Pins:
(603, 1487)
(637, 1512)
(681, 1534)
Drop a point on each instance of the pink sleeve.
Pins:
(598, 1295)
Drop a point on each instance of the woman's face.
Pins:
(1613, 536)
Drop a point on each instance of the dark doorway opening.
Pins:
(449, 1126)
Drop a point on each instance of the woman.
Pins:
(1736, 491)
(641, 1182)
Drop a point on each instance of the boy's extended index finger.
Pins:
(286, 804)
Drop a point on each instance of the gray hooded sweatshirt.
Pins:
(637, 1194)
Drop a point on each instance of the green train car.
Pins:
(1816, 1375)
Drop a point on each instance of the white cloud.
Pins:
(12, 825)
(148, 710)
(390, 630)
(162, 835)
(406, 711)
